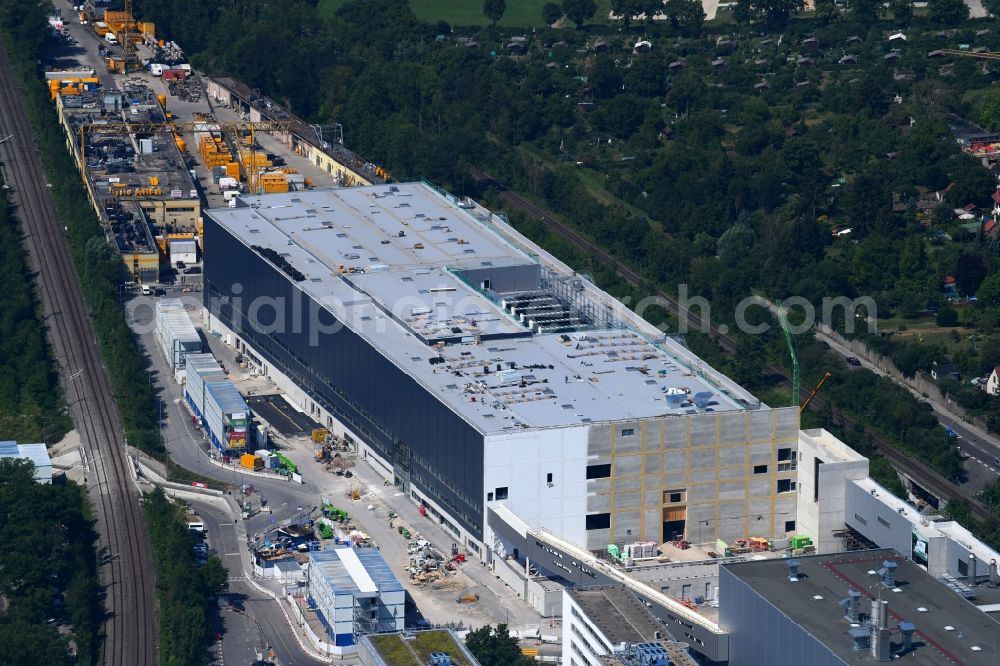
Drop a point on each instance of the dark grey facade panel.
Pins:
(505, 279)
(403, 422)
(759, 633)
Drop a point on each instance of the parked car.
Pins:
(193, 270)
(853, 360)
(180, 265)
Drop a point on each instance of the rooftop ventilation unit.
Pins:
(702, 399)
(881, 645)
(878, 626)
(793, 571)
(994, 576)
(851, 606)
(973, 574)
(907, 629)
(887, 574)
(861, 637)
(652, 654)
(879, 611)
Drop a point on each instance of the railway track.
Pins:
(125, 553)
(922, 473)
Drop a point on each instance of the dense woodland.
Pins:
(48, 579)
(187, 593)
(31, 401)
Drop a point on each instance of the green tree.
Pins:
(947, 12)
(972, 182)
(988, 294)
(970, 271)
(774, 12)
(993, 7)
(735, 245)
(901, 11)
(579, 11)
(494, 646)
(686, 15)
(551, 12)
(650, 10)
(989, 108)
(946, 318)
(865, 9)
(628, 10)
(494, 10)
(826, 12)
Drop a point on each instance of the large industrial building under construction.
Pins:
(477, 369)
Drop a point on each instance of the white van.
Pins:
(111, 39)
(146, 291)
(156, 69)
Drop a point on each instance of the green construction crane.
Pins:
(791, 352)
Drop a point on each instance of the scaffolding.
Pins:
(571, 290)
(365, 616)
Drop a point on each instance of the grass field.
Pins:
(520, 13)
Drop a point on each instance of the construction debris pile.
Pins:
(187, 89)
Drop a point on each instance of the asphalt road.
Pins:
(262, 616)
(979, 466)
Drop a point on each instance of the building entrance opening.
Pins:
(674, 522)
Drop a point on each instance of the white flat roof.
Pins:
(948, 528)
(356, 570)
(431, 303)
(403, 299)
(834, 448)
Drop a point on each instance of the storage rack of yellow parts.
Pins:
(176, 128)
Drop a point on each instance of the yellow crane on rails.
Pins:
(177, 128)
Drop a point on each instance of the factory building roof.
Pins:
(177, 322)
(143, 161)
(202, 363)
(618, 613)
(271, 110)
(470, 312)
(929, 527)
(360, 572)
(949, 629)
(37, 453)
(227, 397)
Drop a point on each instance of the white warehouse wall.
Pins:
(520, 461)
(582, 642)
(819, 517)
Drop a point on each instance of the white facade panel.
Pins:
(825, 466)
(184, 250)
(521, 463)
(176, 335)
(582, 641)
(201, 369)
